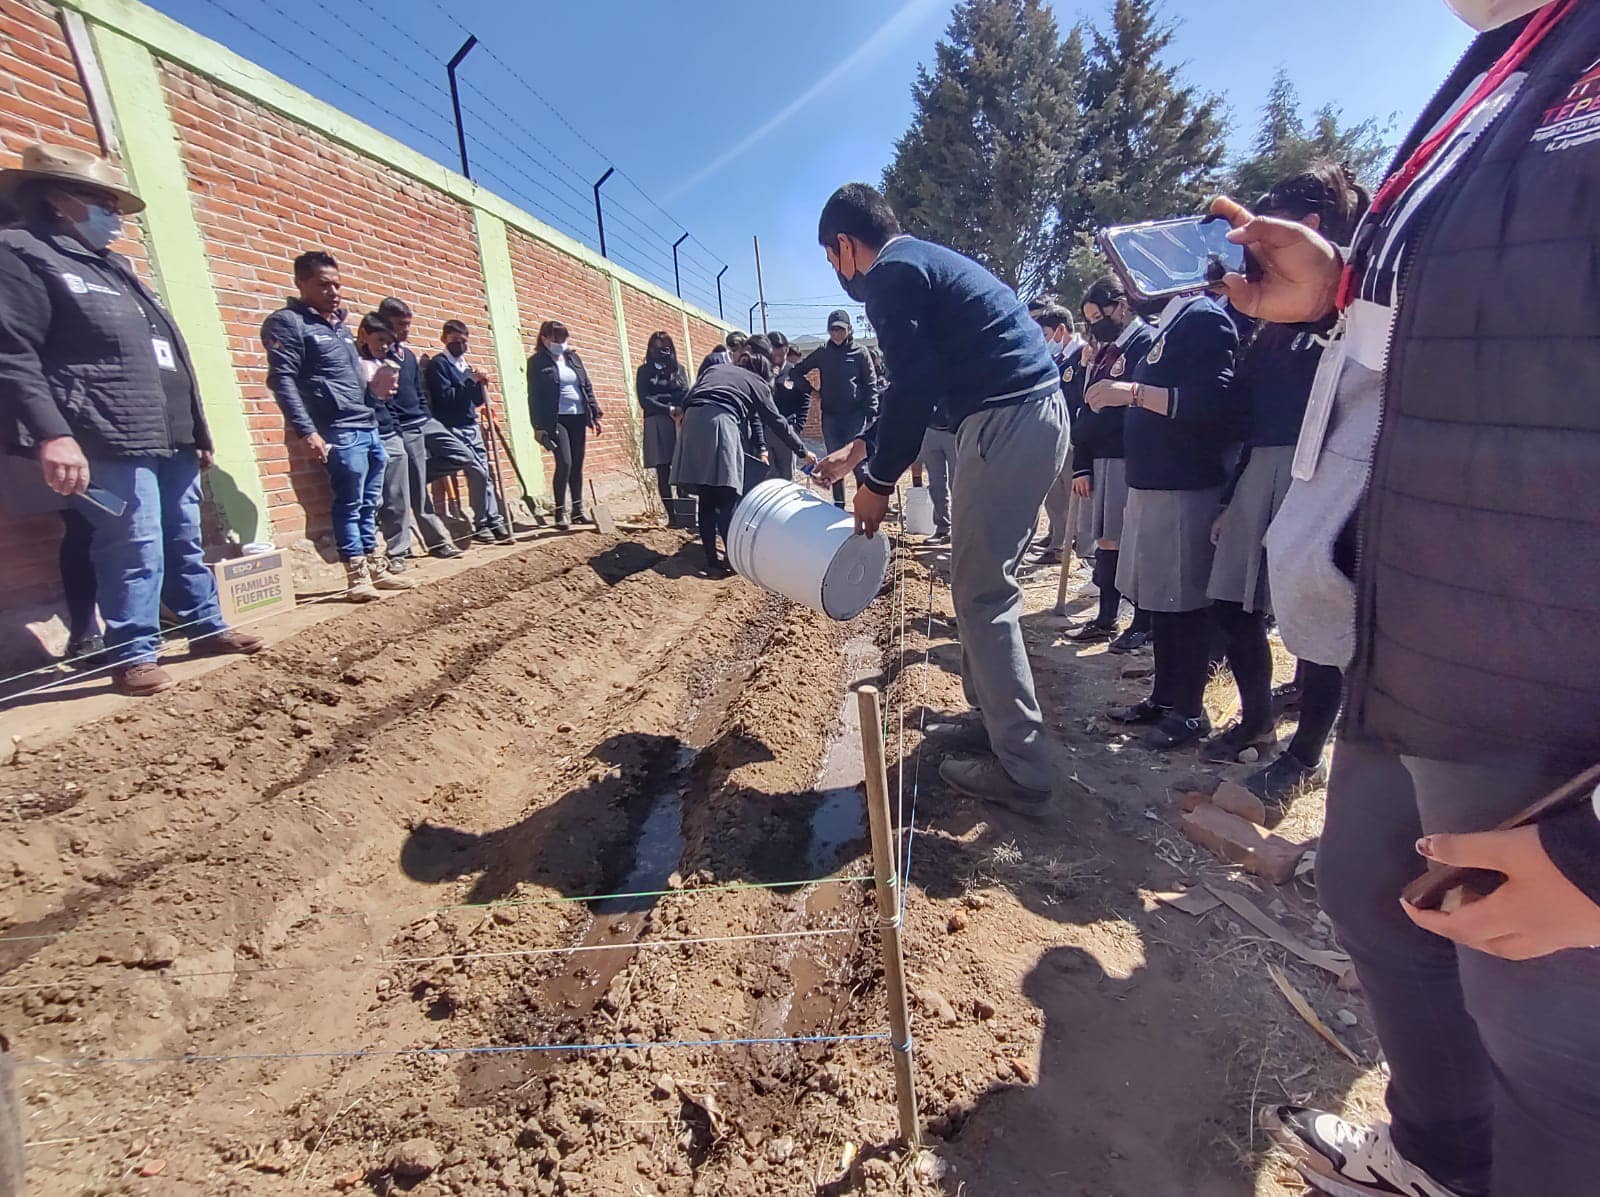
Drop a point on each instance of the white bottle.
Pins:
(919, 512)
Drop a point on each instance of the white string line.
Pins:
(387, 961)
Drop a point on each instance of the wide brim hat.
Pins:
(62, 164)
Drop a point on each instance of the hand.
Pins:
(766, 458)
(677, 415)
(316, 446)
(836, 466)
(814, 377)
(1536, 912)
(65, 468)
(1216, 527)
(1108, 394)
(1297, 271)
(598, 430)
(1083, 487)
(208, 458)
(385, 382)
(870, 508)
(809, 459)
(1090, 352)
(479, 377)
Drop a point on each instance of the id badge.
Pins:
(1319, 408)
(165, 358)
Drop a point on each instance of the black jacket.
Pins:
(1098, 434)
(660, 386)
(1478, 579)
(849, 383)
(735, 389)
(314, 371)
(410, 402)
(791, 404)
(77, 361)
(453, 394)
(544, 390)
(1193, 358)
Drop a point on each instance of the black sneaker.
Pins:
(445, 551)
(1143, 711)
(1224, 747)
(948, 736)
(1279, 782)
(1091, 633)
(987, 781)
(501, 532)
(1129, 642)
(1286, 698)
(1343, 1159)
(563, 520)
(937, 540)
(1175, 731)
(483, 535)
(85, 652)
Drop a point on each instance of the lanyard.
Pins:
(1400, 182)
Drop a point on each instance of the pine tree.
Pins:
(1283, 147)
(990, 154)
(1151, 146)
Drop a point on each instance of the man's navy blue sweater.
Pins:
(953, 337)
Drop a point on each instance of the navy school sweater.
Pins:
(1097, 435)
(1193, 357)
(954, 337)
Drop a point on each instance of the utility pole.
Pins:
(455, 100)
(677, 282)
(720, 273)
(760, 290)
(752, 316)
(599, 213)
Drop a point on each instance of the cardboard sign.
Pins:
(252, 586)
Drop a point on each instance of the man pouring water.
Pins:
(957, 338)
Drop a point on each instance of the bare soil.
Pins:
(340, 863)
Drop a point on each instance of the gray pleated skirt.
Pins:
(1165, 561)
(1239, 567)
(710, 449)
(660, 441)
(1109, 498)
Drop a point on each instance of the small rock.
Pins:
(303, 727)
(158, 949)
(1249, 756)
(780, 1149)
(1023, 1069)
(1346, 1018)
(984, 1009)
(1138, 669)
(665, 1086)
(267, 833)
(504, 915)
(152, 1168)
(958, 921)
(940, 1006)
(415, 1158)
(563, 728)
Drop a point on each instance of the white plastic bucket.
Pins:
(919, 511)
(790, 541)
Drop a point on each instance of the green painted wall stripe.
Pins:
(178, 43)
(150, 154)
(505, 326)
(688, 357)
(634, 420)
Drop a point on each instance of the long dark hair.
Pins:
(755, 355)
(1325, 189)
(658, 339)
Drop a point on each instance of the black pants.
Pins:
(716, 517)
(1321, 694)
(572, 439)
(1494, 1065)
(1244, 641)
(1183, 653)
(77, 574)
(664, 483)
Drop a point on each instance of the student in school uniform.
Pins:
(661, 383)
(1274, 383)
(727, 416)
(456, 392)
(1175, 430)
(374, 342)
(1099, 467)
(791, 407)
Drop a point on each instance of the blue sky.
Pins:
(727, 120)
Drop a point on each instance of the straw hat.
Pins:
(66, 165)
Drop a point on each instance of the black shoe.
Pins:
(1175, 731)
(1286, 698)
(483, 535)
(966, 737)
(937, 540)
(501, 532)
(1224, 747)
(563, 520)
(1091, 633)
(1129, 642)
(579, 518)
(85, 652)
(1143, 711)
(1279, 783)
(987, 781)
(445, 551)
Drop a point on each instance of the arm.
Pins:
(867, 383)
(587, 388)
(1082, 452)
(898, 309)
(649, 401)
(1233, 480)
(24, 325)
(769, 415)
(797, 384)
(1211, 344)
(285, 355)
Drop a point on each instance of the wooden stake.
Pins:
(885, 870)
(1061, 584)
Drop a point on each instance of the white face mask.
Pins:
(558, 347)
(1484, 15)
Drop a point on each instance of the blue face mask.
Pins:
(99, 228)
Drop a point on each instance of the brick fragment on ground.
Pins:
(1250, 847)
(1236, 800)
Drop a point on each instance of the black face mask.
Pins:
(1106, 330)
(851, 286)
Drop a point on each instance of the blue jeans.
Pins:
(355, 471)
(838, 430)
(150, 554)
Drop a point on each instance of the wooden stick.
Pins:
(886, 874)
(1061, 584)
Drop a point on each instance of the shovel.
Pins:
(601, 512)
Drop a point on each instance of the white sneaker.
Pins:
(1342, 1159)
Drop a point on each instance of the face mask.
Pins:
(558, 347)
(1106, 330)
(455, 348)
(1484, 15)
(851, 286)
(99, 228)
(1058, 351)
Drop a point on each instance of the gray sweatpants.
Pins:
(1006, 459)
(430, 528)
(394, 508)
(939, 458)
(1494, 1065)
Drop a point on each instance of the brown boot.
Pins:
(141, 680)
(358, 580)
(224, 643)
(386, 573)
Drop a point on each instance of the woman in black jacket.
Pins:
(563, 407)
(1274, 383)
(661, 385)
(723, 421)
